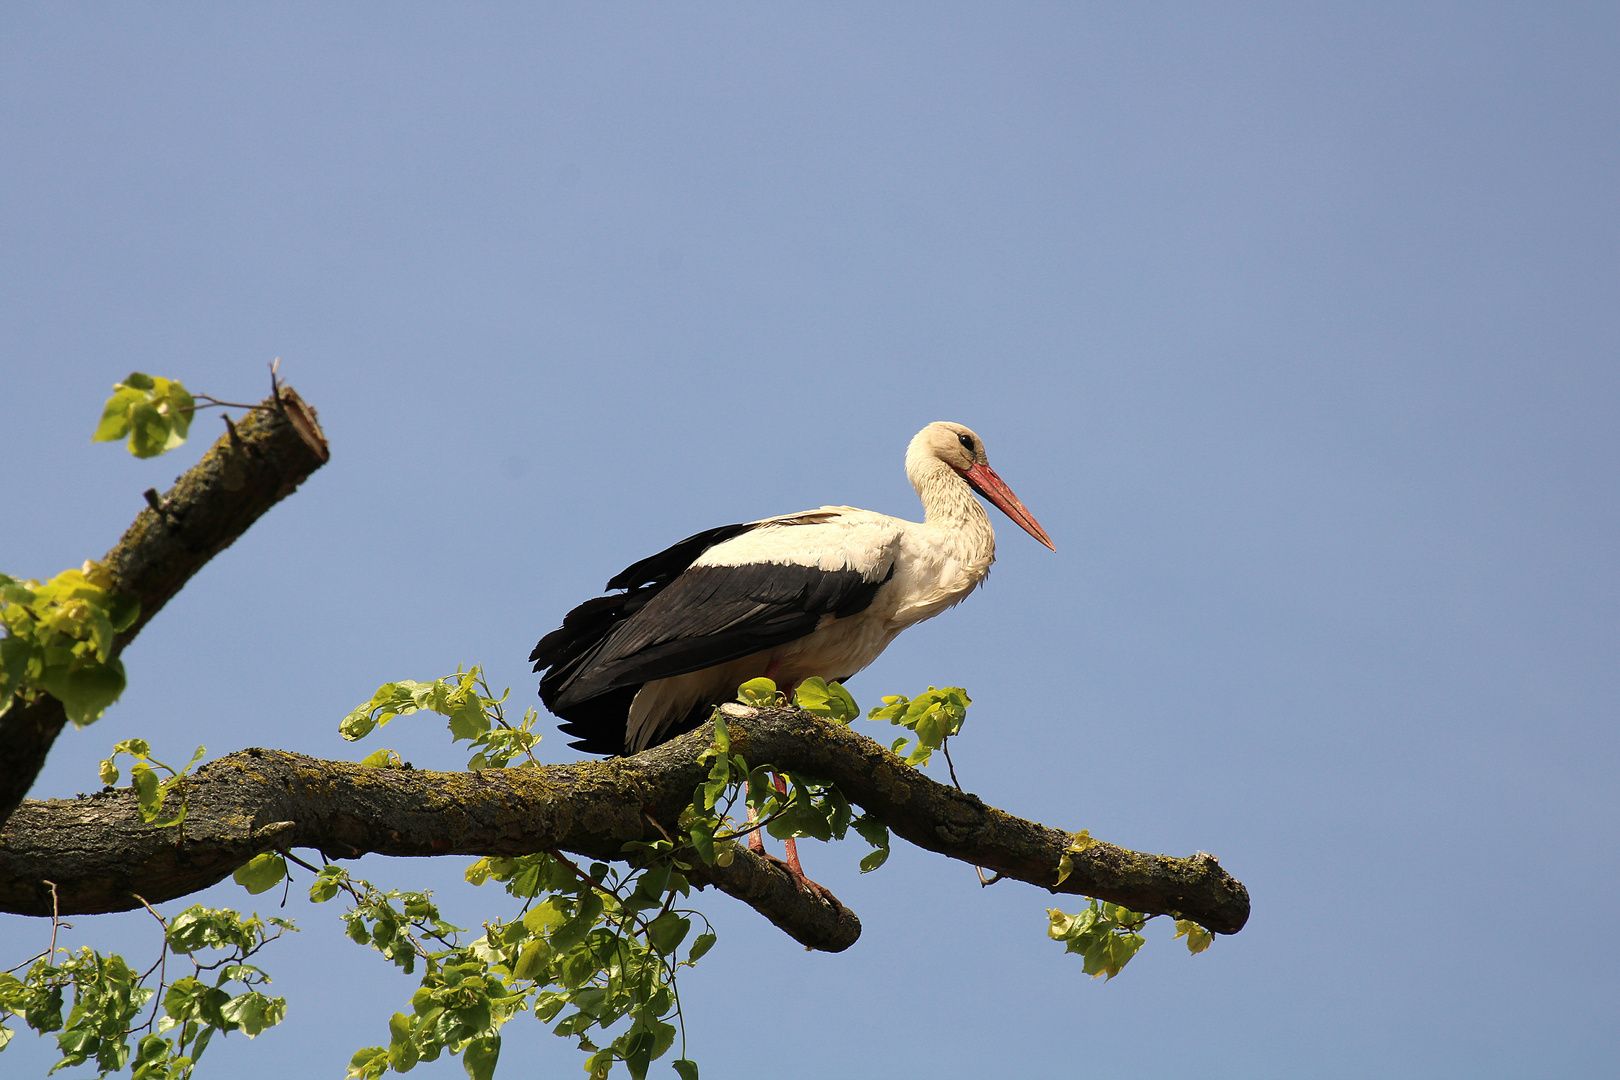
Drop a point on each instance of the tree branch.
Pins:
(100, 854)
(254, 465)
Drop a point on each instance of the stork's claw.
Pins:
(816, 889)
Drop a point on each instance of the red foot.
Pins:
(791, 868)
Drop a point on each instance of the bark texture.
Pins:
(99, 854)
(251, 467)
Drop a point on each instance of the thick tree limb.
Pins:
(254, 465)
(99, 854)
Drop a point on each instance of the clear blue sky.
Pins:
(1296, 327)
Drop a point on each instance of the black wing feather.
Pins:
(713, 614)
(666, 566)
(563, 650)
(674, 619)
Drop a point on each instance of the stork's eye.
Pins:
(967, 443)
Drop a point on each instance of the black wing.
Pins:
(584, 628)
(712, 614)
(609, 647)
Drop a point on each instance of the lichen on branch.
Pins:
(253, 801)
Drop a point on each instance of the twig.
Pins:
(25, 963)
(148, 907)
(50, 952)
(275, 389)
(945, 745)
(214, 402)
(163, 956)
(654, 822)
(301, 862)
(55, 921)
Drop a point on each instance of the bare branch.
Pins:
(248, 470)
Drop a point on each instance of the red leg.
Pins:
(755, 843)
(794, 867)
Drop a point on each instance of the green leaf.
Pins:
(1114, 955)
(382, 759)
(480, 1056)
(356, 725)
(574, 930)
(705, 941)
(262, 872)
(533, 961)
(666, 932)
(403, 1052)
(122, 611)
(722, 734)
(114, 424)
(368, 1063)
(467, 719)
(85, 689)
(253, 1012)
(147, 790)
(637, 1053)
(874, 859)
(543, 918)
(149, 431)
(326, 884)
(1081, 842)
(893, 707)
(687, 1068)
(1198, 939)
(876, 833)
(760, 693)
(599, 1063)
(180, 405)
(701, 835)
(831, 700)
(109, 772)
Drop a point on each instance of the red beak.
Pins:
(987, 483)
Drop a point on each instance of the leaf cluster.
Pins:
(933, 716)
(108, 997)
(783, 803)
(601, 943)
(59, 639)
(471, 709)
(1106, 934)
(591, 952)
(150, 789)
(153, 411)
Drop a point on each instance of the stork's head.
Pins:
(961, 449)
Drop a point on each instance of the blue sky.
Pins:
(1294, 326)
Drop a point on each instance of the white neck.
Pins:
(949, 503)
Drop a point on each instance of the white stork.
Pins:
(821, 592)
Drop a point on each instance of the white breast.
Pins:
(933, 567)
